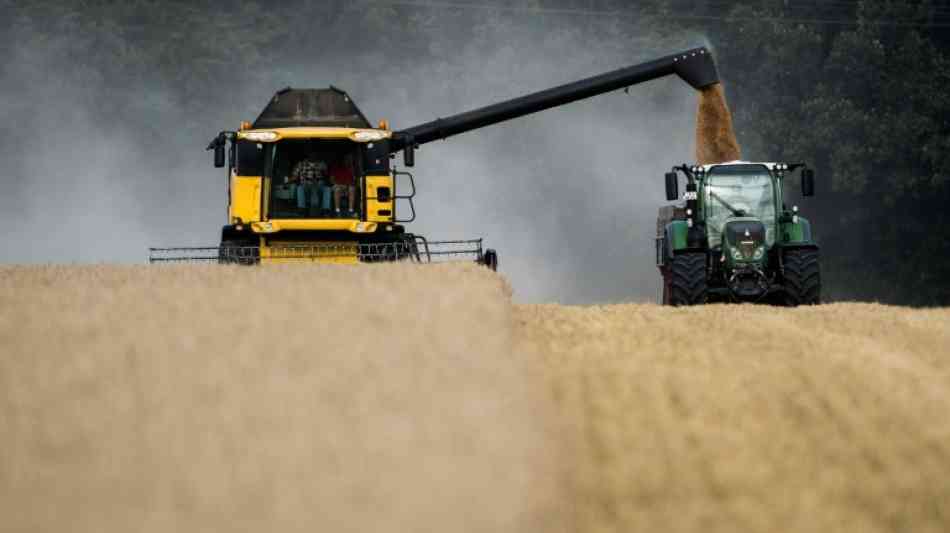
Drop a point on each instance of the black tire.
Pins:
(490, 259)
(687, 279)
(802, 281)
(237, 252)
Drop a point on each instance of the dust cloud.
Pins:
(568, 197)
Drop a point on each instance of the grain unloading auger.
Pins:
(311, 180)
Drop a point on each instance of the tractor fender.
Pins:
(675, 235)
(792, 233)
(677, 238)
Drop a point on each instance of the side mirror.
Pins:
(409, 155)
(219, 154)
(808, 182)
(672, 187)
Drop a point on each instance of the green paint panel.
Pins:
(678, 231)
(797, 233)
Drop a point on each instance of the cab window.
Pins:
(250, 158)
(315, 179)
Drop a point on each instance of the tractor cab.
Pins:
(734, 193)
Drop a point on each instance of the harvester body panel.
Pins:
(245, 198)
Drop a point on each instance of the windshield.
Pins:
(739, 191)
(315, 179)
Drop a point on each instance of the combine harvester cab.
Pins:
(734, 239)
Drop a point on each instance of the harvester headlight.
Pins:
(261, 136)
(263, 227)
(368, 136)
(364, 227)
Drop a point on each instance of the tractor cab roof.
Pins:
(310, 108)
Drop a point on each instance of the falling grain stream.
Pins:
(715, 138)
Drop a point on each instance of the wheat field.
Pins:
(420, 398)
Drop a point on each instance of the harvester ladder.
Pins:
(408, 197)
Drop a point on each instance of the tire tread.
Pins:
(687, 279)
(802, 279)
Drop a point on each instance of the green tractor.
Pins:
(734, 239)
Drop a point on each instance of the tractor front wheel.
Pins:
(802, 280)
(686, 280)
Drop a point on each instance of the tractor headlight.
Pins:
(368, 136)
(736, 254)
(759, 253)
(260, 136)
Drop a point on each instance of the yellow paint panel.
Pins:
(339, 253)
(314, 224)
(376, 211)
(246, 198)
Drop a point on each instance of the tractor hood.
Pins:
(744, 239)
(744, 254)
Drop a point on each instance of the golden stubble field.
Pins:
(206, 398)
(401, 398)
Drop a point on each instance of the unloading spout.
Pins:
(696, 67)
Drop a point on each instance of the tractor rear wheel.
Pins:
(686, 283)
(802, 281)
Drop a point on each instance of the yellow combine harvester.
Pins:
(311, 179)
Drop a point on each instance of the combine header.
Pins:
(311, 180)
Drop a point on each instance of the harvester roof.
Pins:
(329, 107)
